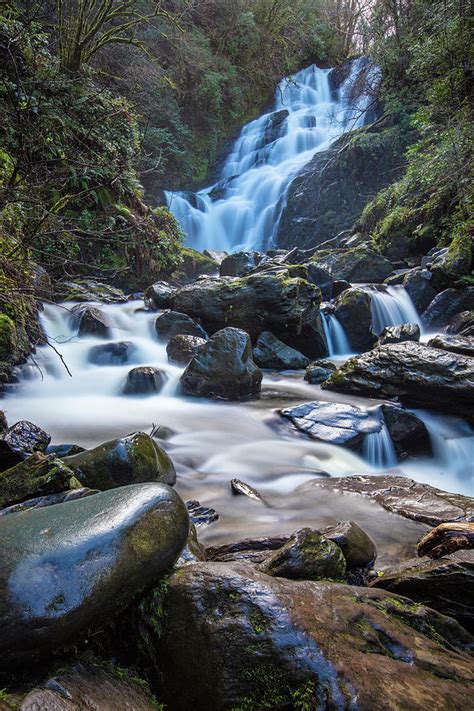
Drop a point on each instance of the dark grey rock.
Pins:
(409, 434)
(357, 547)
(446, 305)
(38, 475)
(90, 321)
(322, 278)
(398, 334)
(111, 353)
(239, 263)
(454, 344)
(182, 348)
(158, 295)
(20, 441)
(318, 371)
(418, 284)
(172, 323)
(49, 500)
(462, 324)
(354, 313)
(356, 265)
(144, 380)
(306, 556)
(270, 352)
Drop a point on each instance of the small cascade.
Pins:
(378, 449)
(335, 335)
(391, 306)
(452, 440)
(242, 210)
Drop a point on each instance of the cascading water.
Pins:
(391, 306)
(242, 210)
(335, 335)
(378, 449)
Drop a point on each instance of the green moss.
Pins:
(270, 690)
(258, 621)
(8, 338)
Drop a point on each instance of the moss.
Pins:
(270, 690)
(258, 621)
(459, 256)
(8, 338)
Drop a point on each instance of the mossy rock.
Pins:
(8, 338)
(38, 475)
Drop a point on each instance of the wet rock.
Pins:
(172, 323)
(338, 286)
(402, 496)
(454, 344)
(448, 265)
(420, 376)
(50, 500)
(90, 321)
(201, 515)
(193, 551)
(90, 688)
(182, 348)
(89, 290)
(133, 459)
(215, 255)
(356, 265)
(223, 368)
(251, 550)
(335, 423)
(144, 380)
(64, 450)
(286, 306)
(446, 585)
(354, 313)
(266, 642)
(307, 556)
(239, 263)
(194, 264)
(20, 441)
(409, 434)
(275, 126)
(103, 549)
(39, 475)
(318, 371)
(111, 353)
(3, 423)
(158, 295)
(398, 334)
(270, 352)
(462, 324)
(322, 278)
(446, 305)
(418, 285)
(358, 549)
(239, 487)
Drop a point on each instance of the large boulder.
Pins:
(270, 352)
(356, 265)
(158, 295)
(20, 441)
(418, 284)
(193, 265)
(398, 334)
(172, 323)
(239, 263)
(269, 643)
(357, 547)
(223, 368)
(286, 306)
(420, 376)
(51, 499)
(182, 348)
(307, 555)
(409, 434)
(90, 321)
(64, 568)
(133, 459)
(322, 278)
(446, 584)
(144, 380)
(448, 265)
(39, 475)
(117, 353)
(447, 305)
(318, 371)
(354, 313)
(454, 344)
(332, 422)
(462, 324)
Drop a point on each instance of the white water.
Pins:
(378, 449)
(391, 306)
(335, 335)
(256, 176)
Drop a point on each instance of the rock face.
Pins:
(354, 313)
(103, 549)
(322, 278)
(111, 353)
(270, 352)
(287, 307)
(400, 333)
(88, 290)
(332, 422)
(182, 348)
(402, 496)
(420, 376)
(172, 323)
(239, 263)
(275, 126)
(223, 368)
(318, 371)
(358, 549)
(158, 295)
(39, 475)
(409, 434)
(129, 460)
(265, 642)
(144, 380)
(418, 285)
(307, 556)
(356, 265)
(20, 441)
(454, 344)
(462, 324)
(446, 584)
(446, 305)
(90, 321)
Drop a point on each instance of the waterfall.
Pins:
(242, 210)
(391, 306)
(378, 449)
(335, 335)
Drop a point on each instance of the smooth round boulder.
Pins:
(20, 441)
(354, 313)
(158, 295)
(270, 352)
(409, 434)
(307, 556)
(111, 353)
(358, 549)
(318, 371)
(133, 459)
(223, 368)
(239, 263)
(65, 568)
(182, 348)
(172, 323)
(90, 321)
(144, 380)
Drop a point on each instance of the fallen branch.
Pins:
(446, 538)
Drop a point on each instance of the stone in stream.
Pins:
(357, 547)
(172, 323)
(446, 584)
(398, 334)
(49, 500)
(133, 459)
(270, 352)
(446, 305)
(223, 368)
(356, 265)
(144, 380)
(307, 555)
(402, 496)
(90, 321)
(20, 441)
(286, 306)
(462, 324)
(318, 371)
(182, 348)
(409, 434)
(418, 375)
(111, 353)
(39, 475)
(239, 487)
(335, 423)
(65, 568)
(158, 295)
(201, 515)
(267, 642)
(354, 313)
(454, 344)
(239, 263)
